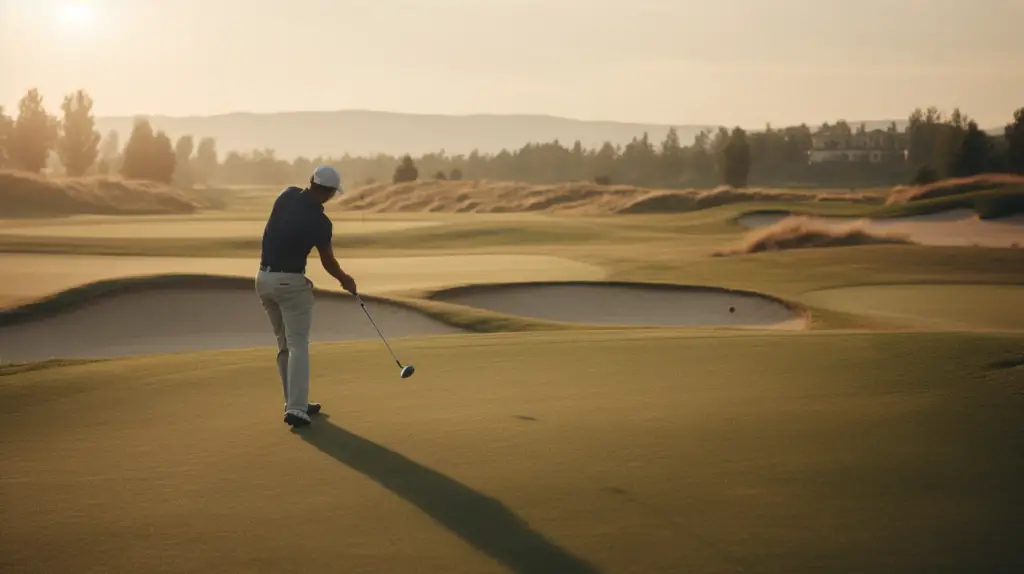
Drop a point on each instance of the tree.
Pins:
(736, 157)
(110, 151)
(673, 160)
(33, 134)
(973, 156)
(205, 163)
(1014, 135)
(137, 150)
(406, 171)
(6, 125)
(78, 146)
(163, 159)
(183, 149)
(148, 155)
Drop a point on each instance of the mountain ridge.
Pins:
(362, 132)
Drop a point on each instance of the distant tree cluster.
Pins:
(30, 139)
(957, 147)
(931, 146)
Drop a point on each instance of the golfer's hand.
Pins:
(348, 284)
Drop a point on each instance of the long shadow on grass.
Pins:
(478, 519)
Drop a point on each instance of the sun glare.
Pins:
(77, 16)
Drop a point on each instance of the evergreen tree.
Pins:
(406, 171)
(163, 158)
(1015, 142)
(33, 134)
(110, 154)
(148, 155)
(205, 164)
(737, 159)
(78, 146)
(6, 126)
(183, 149)
(973, 156)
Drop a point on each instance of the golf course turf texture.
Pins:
(884, 436)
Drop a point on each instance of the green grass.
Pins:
(456, 236)
(948, 307)
(791, 273)
(627, 451)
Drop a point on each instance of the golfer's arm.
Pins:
(330, 262)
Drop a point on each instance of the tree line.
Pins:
(931, 146)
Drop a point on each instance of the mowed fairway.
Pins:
(529, 453)
(38, 275)
(105, 228)
(878, 432)
(970, 307)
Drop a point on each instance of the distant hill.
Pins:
(362, 133)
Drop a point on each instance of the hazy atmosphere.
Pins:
(512, 286)
(730, 62)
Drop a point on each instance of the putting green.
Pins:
(570, 453)
(971, 307)
(33, 276)
(191, 228)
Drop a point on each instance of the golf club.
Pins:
(406, 370)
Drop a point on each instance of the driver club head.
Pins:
(407, 371)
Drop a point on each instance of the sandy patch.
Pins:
(173, 320)
(959, 227)
(193, 229)
(31, 276)
(630, 305)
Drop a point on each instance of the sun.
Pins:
(77, 16)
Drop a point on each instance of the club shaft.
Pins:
(382, 338)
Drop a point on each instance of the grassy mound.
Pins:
(799, 232)
(954, 186)
(576, 197)
(1001, 201)
(28, 195)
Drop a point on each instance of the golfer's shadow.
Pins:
(482, 521)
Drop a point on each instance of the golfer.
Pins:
(296, 225)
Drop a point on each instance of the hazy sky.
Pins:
(740, 62)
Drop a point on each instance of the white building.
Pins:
(833, 145)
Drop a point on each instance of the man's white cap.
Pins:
(327, 176)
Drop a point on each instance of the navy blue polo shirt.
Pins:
(296, 225)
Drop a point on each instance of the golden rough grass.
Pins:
(800, 232)
(29, 195)
(582, 198)
(954, 186)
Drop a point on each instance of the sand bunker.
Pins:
(30, 276)
(959, 227)
(629, 304)
(184, 319)
(192, 229)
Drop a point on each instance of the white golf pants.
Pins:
(288, 300)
